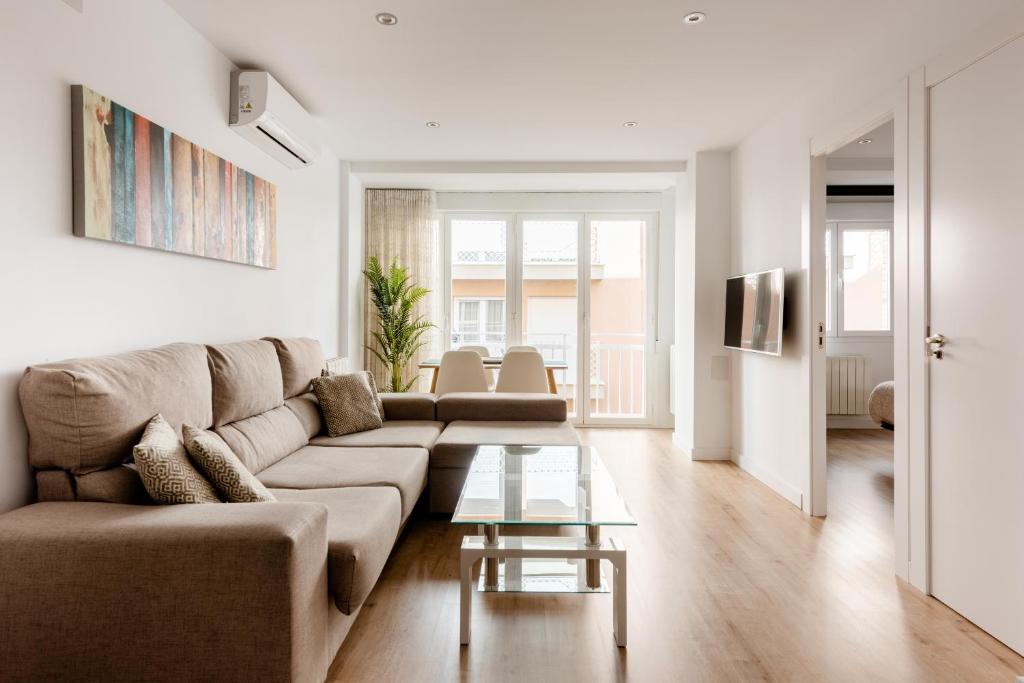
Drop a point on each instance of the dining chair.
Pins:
(484, 353)
(522, 371)
(460, 371)
(522, 349)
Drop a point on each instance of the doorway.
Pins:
(858, 336)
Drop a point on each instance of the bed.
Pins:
(880, 405)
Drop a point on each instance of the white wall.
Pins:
(66, 296)
(703, 422)
(769, 401)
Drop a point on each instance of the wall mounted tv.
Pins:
(753, 311)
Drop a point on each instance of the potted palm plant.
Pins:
(399, 334)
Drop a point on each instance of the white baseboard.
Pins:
(790, 493)
(710, 453)
(850, 422)
(701, 452)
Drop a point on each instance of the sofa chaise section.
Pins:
(362, 523)
(475, 419)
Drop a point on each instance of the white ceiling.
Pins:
(880, 147)
(867, 164)
(555, 79)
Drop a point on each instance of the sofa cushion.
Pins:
(301, 360)
(362, 525)
(117, 484)
(504, 406)
(457, 444)
(246, 380)
(86, 415)
(223, 469)
(307, 410)
(417, 433)
(408, 406)
(325, 467)
(261, 440)
(167, 473)
(348, 402)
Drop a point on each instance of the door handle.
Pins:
(935, 343)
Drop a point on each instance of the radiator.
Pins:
(847, 384)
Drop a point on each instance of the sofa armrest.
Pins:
(501, 407)
(408, 406)
(233, 592)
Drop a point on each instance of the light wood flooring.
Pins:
(727, 582)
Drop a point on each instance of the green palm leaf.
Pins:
(399, 334)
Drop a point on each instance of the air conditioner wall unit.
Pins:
(263, 112)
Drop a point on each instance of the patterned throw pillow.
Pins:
(373, 387)
(164, 467)
(348, 403)
(221, 466)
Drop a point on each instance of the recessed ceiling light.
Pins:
(630, 124)
(433, 124)
(864, 141)
(387, 19)
(694, 18)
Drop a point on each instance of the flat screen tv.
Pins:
(753, 311)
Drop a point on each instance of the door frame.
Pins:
(906, 105)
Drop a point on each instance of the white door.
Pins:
(977, 387)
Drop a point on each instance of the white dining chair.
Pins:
(484, 353)
(460, 371)
(522, 371)
(522, 349)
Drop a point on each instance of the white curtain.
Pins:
(403, 224)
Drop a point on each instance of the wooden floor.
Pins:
(727, 582)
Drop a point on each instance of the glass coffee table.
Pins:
(554, 486)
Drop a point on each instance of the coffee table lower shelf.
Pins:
(516, 577)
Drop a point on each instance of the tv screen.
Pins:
(753, 311)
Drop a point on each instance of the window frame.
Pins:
(835, 284)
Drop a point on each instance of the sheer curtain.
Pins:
(403, 224)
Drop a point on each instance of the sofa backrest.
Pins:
(472, 405)
(84, 416)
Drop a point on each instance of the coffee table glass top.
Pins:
(552, 485)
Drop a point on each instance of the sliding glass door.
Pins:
(549, 302)
(577, 287)
(618, 315)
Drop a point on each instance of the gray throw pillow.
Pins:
(221, 466)
(165, 470)
(349, 403)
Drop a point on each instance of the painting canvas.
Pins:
(137, 183)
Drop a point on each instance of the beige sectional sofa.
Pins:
(98, 583)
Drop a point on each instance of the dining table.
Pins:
(494, 363)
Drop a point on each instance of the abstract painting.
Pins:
(137, 183)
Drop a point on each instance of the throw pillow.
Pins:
(373, 387)
(164, 467)
(348, 403)
(219, 463)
